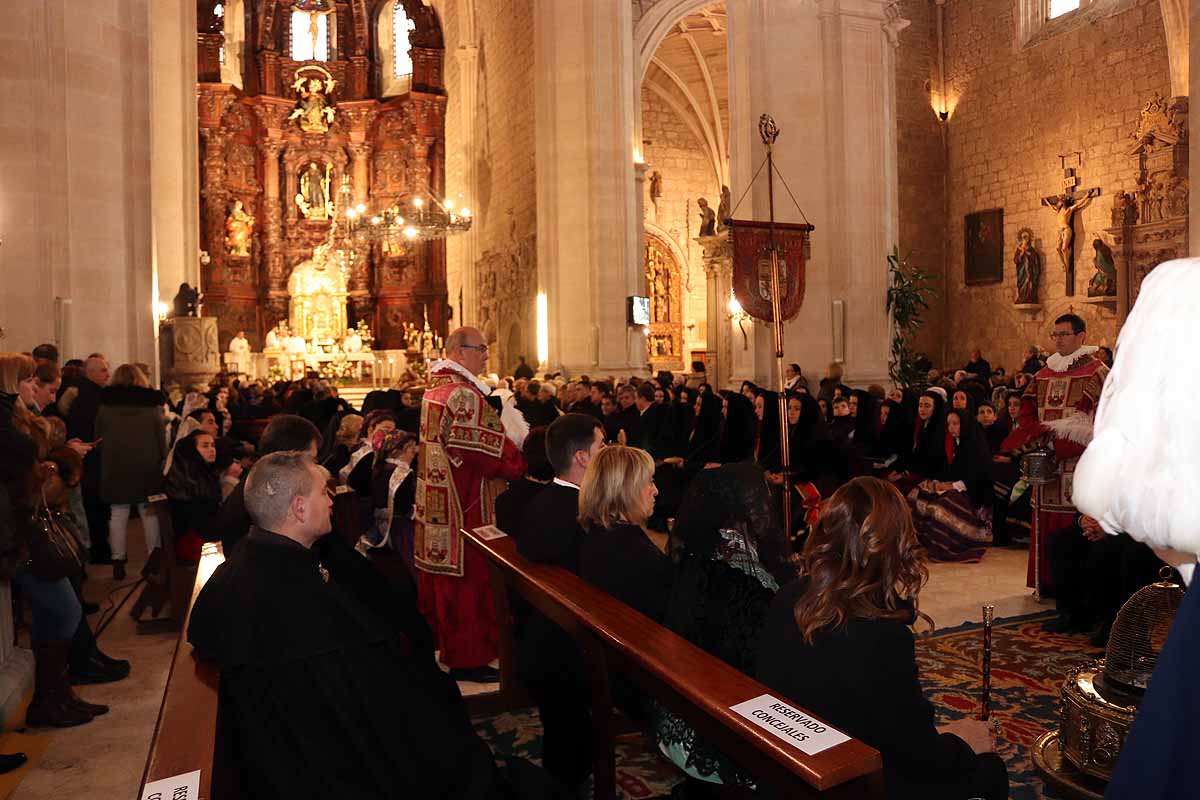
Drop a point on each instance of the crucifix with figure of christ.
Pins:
(1066, 205)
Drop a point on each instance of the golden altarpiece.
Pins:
(307, 131)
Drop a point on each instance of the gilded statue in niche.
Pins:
(1028, 262)
(314, 101)
(238, 227)
(314, 198)
(317, 307)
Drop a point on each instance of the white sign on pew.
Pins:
(177, 787)
(488, 532)
(796, 727)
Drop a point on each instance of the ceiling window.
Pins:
(310, 35)
(402, 28)
(1060, 7)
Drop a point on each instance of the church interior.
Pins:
(883, 247)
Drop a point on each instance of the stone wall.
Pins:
(504, 199)
(1013, 114)
(921, 160)
(76, 196)
(687, 174)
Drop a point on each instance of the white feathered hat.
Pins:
(1141, 472)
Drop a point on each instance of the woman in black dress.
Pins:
(837, 643)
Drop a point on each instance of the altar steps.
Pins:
(354, 395)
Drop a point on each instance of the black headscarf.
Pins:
(929, 440)
(704, 444)
(769, 455)
(866, 421)
(734, 496)
(896, 437)
(737, 433)
(192, 478)
(972, 459)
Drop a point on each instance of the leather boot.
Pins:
(10, 761)
(89, 664)
(52, 705)
(118, 565)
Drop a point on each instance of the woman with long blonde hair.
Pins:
(837, 642)
(18, 376)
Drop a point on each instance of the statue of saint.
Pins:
(314, 199)
(314, 109)
(708, 218)
(185, 302)
(317, 308)
(238, 227)
(723, 209)
(656, 186)
(1029, 268)
(1104, 282)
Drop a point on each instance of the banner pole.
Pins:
(770, 133)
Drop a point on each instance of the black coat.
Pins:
(322, 696)
(623, 561)
(510, 505)
(549, 531)
(131, 423)
(863, 680)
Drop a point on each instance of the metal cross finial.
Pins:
(768, 129)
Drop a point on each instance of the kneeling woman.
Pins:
(837, 643)
(952, 510)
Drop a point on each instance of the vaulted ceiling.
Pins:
(690, 73)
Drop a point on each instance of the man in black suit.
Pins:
(549, 663)
(651, 416)
(626, 418)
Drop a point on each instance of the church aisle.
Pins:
(105, 758)
(956, 592)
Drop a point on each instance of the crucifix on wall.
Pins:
(1066, 205)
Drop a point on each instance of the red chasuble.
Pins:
(464, 461)
(1058, 409)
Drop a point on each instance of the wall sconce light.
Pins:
(160, 310)
(738, 314)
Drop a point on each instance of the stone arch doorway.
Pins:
(664, 281)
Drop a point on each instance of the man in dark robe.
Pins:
(323, 694)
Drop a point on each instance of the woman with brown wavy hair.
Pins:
(837, 642)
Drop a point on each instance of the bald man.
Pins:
(469, 447)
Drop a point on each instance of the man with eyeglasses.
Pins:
(470, 443)
(1057, 413)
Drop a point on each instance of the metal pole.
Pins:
(770, 133)
(1035, 535)
(988, 615)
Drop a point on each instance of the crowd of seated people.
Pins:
(876, 483)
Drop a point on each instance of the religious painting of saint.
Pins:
(984, 247)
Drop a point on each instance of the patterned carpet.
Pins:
(1028, 667)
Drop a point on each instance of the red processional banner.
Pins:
(752, 266)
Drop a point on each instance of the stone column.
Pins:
(588, 259)
(837, 149)
(174, 148)
(718, 270)
(463, 251)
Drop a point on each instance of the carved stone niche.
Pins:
(1150, 224)
(506, 297)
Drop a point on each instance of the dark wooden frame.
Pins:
(983, 265)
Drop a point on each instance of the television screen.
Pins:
(639, 310)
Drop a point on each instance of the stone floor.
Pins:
(105, 758)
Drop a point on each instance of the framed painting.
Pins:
(984, 247)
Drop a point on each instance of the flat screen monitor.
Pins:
(638, 310)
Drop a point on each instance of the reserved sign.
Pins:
(177, 787)
(489, 532)
(792, 725)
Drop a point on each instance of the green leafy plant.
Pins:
(909, 291)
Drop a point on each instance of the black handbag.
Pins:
(53, 549)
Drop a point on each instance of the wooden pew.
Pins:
(186, 733)
(614, 638)
(169, 583)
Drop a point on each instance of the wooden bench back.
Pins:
(185, 735)
(683, 677)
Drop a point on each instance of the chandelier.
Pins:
(419, 218)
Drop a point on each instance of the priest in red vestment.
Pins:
(470, 446)
(1058, 411)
